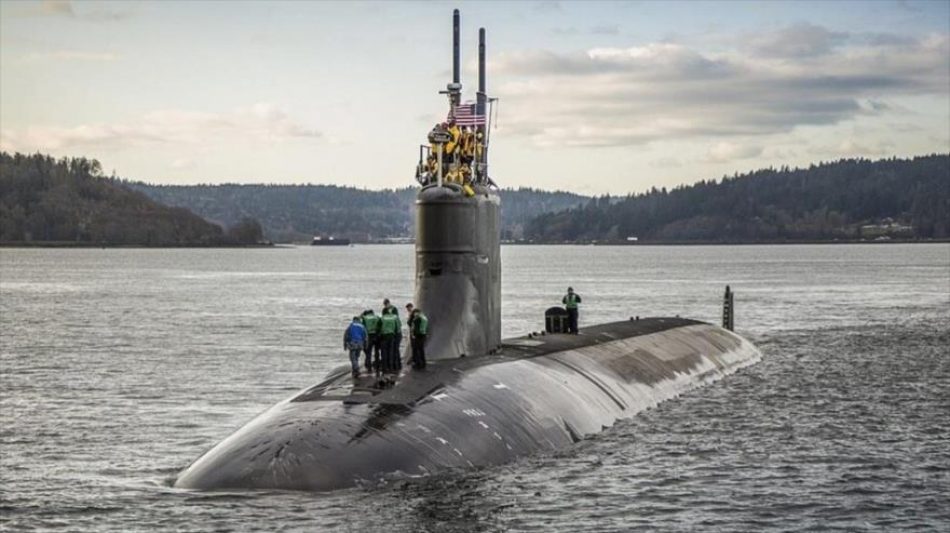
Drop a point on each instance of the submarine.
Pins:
(481, 400)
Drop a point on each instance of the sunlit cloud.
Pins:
(801, 75)
(854, 147)
(728, 151)
(262, 122)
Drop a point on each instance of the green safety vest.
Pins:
(420, 324)
(371, 322)
(571, 301)
(389, 325)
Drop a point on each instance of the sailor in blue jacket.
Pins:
(354, 341)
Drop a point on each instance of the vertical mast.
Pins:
(481, 164)
(455, 88)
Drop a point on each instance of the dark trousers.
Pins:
(572, 320)
(397, 356)
(388, 342)
(372, 352)
(419, 351)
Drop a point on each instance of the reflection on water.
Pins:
(121, 366)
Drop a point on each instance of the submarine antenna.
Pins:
(482, 164)
(454, 89)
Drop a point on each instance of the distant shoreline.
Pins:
(42, 244)
(729, 243)
(68, 244)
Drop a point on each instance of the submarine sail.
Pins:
(458, 258)
(481, 400)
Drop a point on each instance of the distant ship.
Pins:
(329, 241)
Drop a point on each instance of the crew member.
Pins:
(479, 145)
(371, 323)
(388, 326)
(409, 317)
(420, 330)
(387, 306)
(397, 341)
(570, 301)
(354, 341)
(468, 146)
(456, 135)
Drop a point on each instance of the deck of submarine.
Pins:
(410, 386)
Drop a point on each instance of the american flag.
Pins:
(467, 115)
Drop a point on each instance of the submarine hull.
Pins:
(535, 394)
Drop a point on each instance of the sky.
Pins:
(593, 97)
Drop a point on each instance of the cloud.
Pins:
(724, 152)
(182, 163)
(57, 8)
(666, 162)
(605, 29)
(71, 55)
(661, 90)
(855, 147)
(262, 122)
(798, 41)
(67, 9)
(570, 30)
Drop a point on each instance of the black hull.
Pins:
(537, 394)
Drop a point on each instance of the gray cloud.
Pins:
(629, 96)
(798, 41)
(884, 39)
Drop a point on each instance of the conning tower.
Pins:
(458, 259)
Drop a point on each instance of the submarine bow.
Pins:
(480, 401)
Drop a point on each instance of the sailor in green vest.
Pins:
(371, 323)
(389, 326)
(418, 330)
(570, 301)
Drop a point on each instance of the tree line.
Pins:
(847, 199)
(69, 201)
(299, 212)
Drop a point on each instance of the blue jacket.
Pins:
(355, 336)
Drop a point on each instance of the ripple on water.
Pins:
(110, 390)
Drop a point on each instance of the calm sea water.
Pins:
(119, 367)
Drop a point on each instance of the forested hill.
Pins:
(68, 201)
(298, 212)
(847, 199)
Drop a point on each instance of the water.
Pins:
(119, 367)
